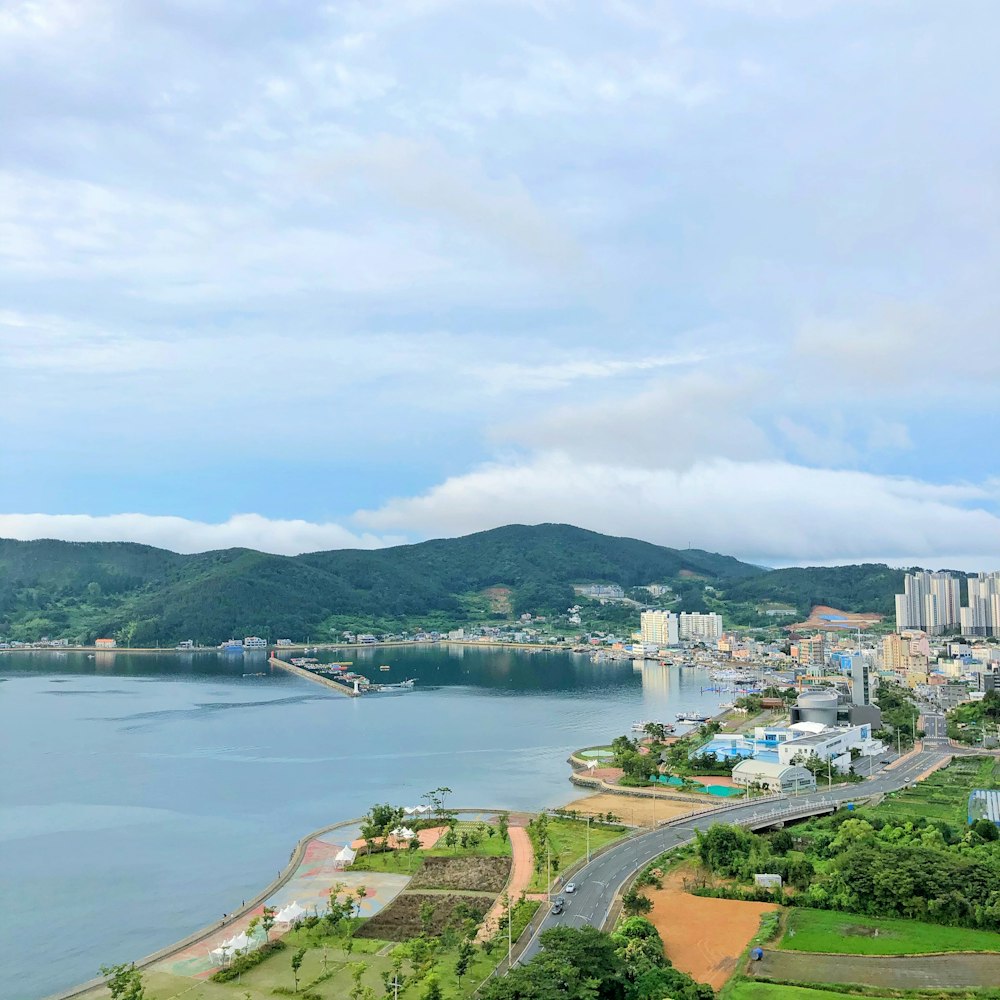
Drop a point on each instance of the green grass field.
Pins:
(848, 933)
(749, 990)
(405, 862)
(569, 841)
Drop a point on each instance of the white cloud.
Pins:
(284, 537)
(768, 512)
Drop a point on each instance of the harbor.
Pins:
(339, 677)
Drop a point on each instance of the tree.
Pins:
(296, 965)
(634, 903)
(465, 952)
(252, 926)
(124, 981)
(451, 837)
(267, 921)
(357, 974)
(432, 989)
(361, 892)
(503, 826)
(427, 909)
(411, 849)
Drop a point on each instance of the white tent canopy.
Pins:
(239, 943)
(346, 855)
(416, 810)
(289, 914)
(403, 833)
(221, 953)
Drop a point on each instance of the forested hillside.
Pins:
(143, 595)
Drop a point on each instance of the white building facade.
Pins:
(659, 628)
(930, 602)
(696, 625)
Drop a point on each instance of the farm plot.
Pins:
(897, 972)
(414, 913)
(484, 874)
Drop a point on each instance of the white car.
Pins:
(570, 887)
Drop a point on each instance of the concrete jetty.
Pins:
(316, 678)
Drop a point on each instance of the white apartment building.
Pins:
(930, 602)
(982, 616)
(659, 628)
(695, 625)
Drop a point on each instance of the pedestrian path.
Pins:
(521, 871)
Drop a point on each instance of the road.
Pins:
(599, 882)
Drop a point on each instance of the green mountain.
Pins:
(143, 595)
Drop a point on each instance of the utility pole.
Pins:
(829, 772)
(395, 987)
(548, 872)
(588, 840)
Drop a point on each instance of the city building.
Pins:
(861, 689)
(930, 601)
(832, 745)
(773, 777)
(811, 653)
(659, 628)
(597, 591)
(105, 643)
(982, 615)
(696, 625)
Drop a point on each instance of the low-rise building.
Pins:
(105, 643)
(831, 744)
(773, 777)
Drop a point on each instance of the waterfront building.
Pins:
(659, 628)
(773, 777)
(105, 643)
(696, 625)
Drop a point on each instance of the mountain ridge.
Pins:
(144, 594)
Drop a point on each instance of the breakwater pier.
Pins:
(350, 690)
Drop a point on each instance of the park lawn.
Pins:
(848, 933)
(748, 989)
(406, 862)
(569, 841)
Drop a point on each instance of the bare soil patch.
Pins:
(485, 874)
(703, 937)
(401, 919)
(636, 810)
(499, 598)
(902, 972)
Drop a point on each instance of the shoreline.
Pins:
(300, 647)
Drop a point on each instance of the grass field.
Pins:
(405, 862)
(748, 990)
(847, 933)
(569, 841)
(944, 795)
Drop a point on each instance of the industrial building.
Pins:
(825, 705)
(774, 777)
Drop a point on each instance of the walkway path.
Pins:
(521, 870)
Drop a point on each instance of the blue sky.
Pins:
(300, 276)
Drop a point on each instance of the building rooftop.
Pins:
(767, 769)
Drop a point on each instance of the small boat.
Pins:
(640, 727)
(401, 686)
(692, 717)
(385, 668)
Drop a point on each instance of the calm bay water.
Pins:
(144, 796)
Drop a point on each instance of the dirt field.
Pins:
(484, 874)
(703, 937)
(635, 809)
(903, 972)
(400, 920)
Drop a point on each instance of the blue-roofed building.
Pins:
(984, 803)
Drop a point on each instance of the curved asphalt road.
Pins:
(598, 883)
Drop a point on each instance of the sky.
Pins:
(299, 276)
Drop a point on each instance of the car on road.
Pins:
(571, 887)
(556, 907)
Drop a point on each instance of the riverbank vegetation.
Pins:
(560, 842)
